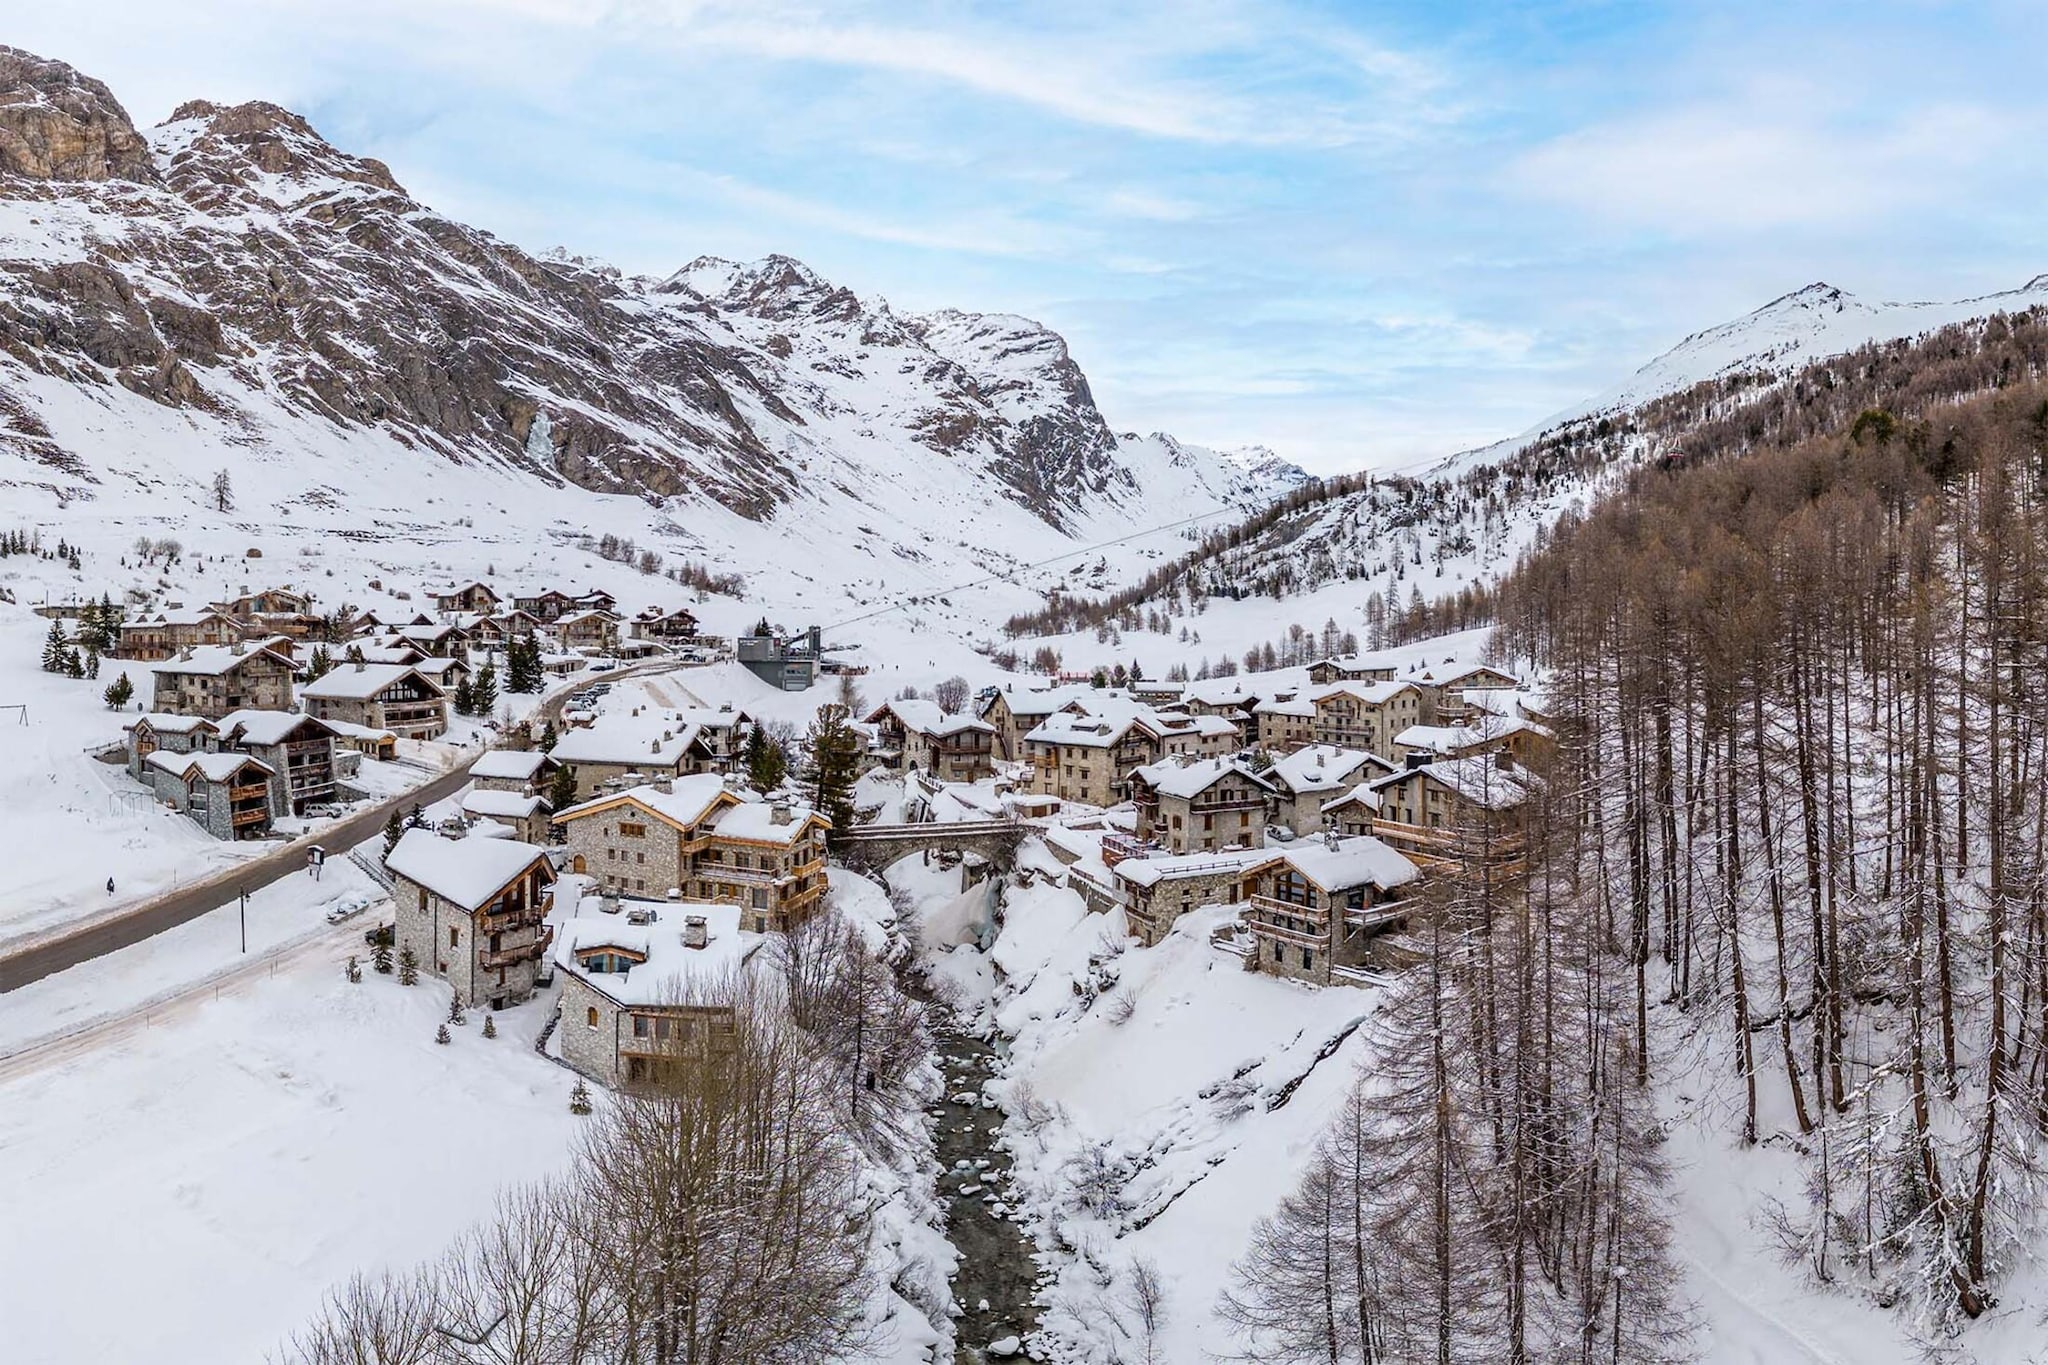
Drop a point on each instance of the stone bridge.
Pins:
(880, 845)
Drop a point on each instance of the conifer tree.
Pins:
(562, 789)
(380, 957)
(394, 830)
(354, 969)
(54, 646)
(579, 1097)
(835, 755)
(408, 966)
(119, 692)
(441, 1034)
(490, 1027)
(483, 693)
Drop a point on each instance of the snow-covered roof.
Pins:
(1371, 693)
(170, 723)
(685, 803)
(669, 971)
(394, 652)
(1340, 864)
(1152, 871)
(346, 682)
(926, 718)
(181, 616)
(213, 767)
(711, 717)
(509, 765)
(505, 805)
(1187, 780)
(755, 820)
(214, 660)
(1295, 705)
(265, 727)
(651, 737)
(1321, 767)
(1478, 779)
(590, 614)
(466, 872)
(1042, 701)
(1064, 727)
(1362, 793)
(348, 729)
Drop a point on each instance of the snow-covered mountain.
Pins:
(228, 287)
(1357, 551)
(1775, 341)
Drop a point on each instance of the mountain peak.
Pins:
(248, 145)
(57, 124)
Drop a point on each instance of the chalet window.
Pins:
(590, 1017)
(454, 937)
(639, 1026)
(639, 857)
(661, 1029)
(760, 924)
(1308, 959)
(632, 831)
(611, 855)
(1277, 955)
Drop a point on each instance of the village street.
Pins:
(33, 957)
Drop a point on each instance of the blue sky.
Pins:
(1360, 234)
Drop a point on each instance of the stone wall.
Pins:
(644, 865)
(593, 1051)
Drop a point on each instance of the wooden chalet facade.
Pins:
(394, 697)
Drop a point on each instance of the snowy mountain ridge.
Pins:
(228, 287)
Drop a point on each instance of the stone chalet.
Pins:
(230, 795)
(1312, 776)
(641, 989)
(656, 624)
(1284, 722)
(652, 744)
(298, 748)
(916, 736)
(1351, 668)
(1324, 908)
(524, 815)
(394, 697)
(473, 911)
(1159, 890)
(1481, 734)
(693, 837)
(1451, 682)
(267, 602)
(593, 630)
(215, 680)
(1367, 716)
(1209, 804)
(513, 770)
(1015, 714)
(1355, 812)
(163, 634)
(1457, 812)
(297, 753)
(470, 596)
(436, 640)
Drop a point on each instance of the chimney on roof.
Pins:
(726, 706)
(361, 664)
(696, 931)
(779, 813)
(666, 786)
(1416, 760)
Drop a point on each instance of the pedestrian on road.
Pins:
(110, 886)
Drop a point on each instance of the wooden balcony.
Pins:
(254, 791)
(511, 955)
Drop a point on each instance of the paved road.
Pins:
(37, 956)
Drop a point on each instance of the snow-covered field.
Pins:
(215, 1172)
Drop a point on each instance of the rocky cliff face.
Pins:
(232, 252)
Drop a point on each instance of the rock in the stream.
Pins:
(1005, 1347)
